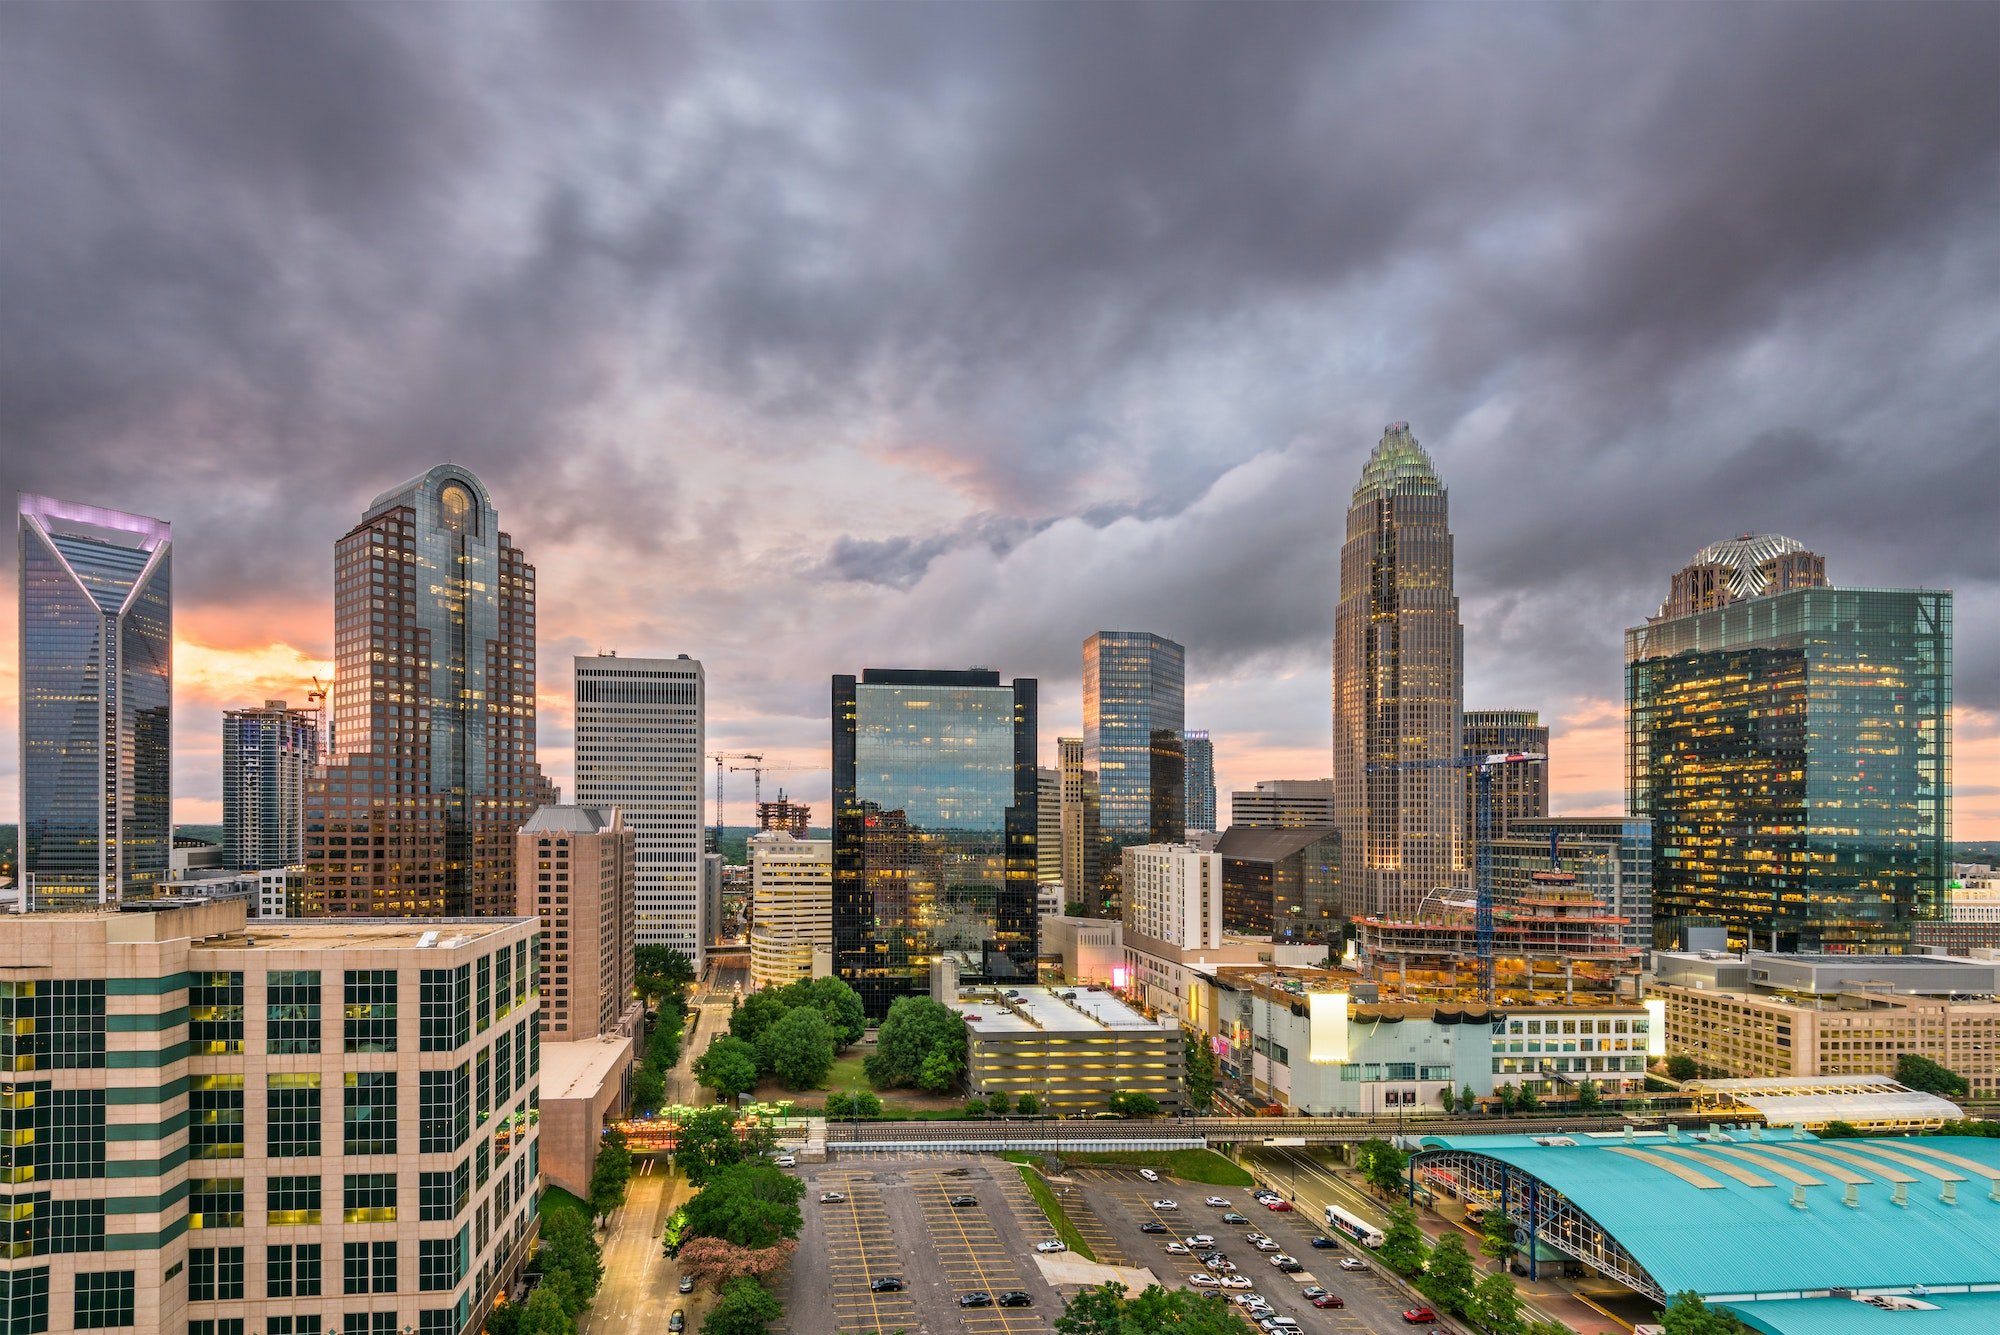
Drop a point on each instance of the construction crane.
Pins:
(1482, 767)
(722, 759)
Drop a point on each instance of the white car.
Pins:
(1052, 1245)
(1265, 1245)
(1205, 1281)
(1254, 1238)
(787, 1161)
(1177, 1249)
(1352, 1263)
(1282, 1259)
(1218, 1202)
(1235, 1282)
(1149, 1175)
(1249, 1300)
(1166, 1205)
(1198, 1240)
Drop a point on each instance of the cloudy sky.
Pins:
(806, 338)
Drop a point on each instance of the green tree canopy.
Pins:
(744, 1308)
(751, 1204)
(610, 1174)
(1839, 1130)
(1449, 1276)
(1403, 1248)
(799, 1048)
(1131, 1103)
(1498, 1239)
(729, 1066)
(1201, 1070)
(1495, 1304)
(839, 1003)
(707, 1143)
(1527, 1100)
(1382, 1164)
(1920, 1072)
(1588, 1097)
(1682, 1067)
(1468, 1101)
(1108, 1310)
(649, 1089)
(544, 1314)
(572, 1266)
(1687, 1314)
(921, 1042)
(755, 1015)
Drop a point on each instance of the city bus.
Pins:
(1353, 1227)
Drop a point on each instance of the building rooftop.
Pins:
(1049, 1010)
(578, 1070)
(1262, 843)
(363, 933)
(571, 820)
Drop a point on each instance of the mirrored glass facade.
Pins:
(267, 755)
(934, 793)
(1134, 713)
(1793, 753)
(97, 633)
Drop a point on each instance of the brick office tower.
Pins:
(432, 766)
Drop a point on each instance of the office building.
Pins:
(639, 747)
(1276, 804)
(1082, 873)
(791, 908)
(781, 813)
(1514, 792)
(1085, 950)
(1200, 781)
(1768, 1015)
(433, 770)
(1553, 943)
(1792, 748)
(1048, 826)
(1173, 894)
(1134, 709)
(578, 871)
(1398, 686)
(1072, 1048)
(97, 696)
(266, 756)
(1612, 857)
(311, 1127)
(934, 806)
(1283, 884)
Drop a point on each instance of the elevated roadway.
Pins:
(976, 1137)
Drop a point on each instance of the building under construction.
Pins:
(783, 814)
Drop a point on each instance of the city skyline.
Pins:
(1758, 303)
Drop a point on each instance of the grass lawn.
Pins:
(1058, 1220)
(1204, 1166)
(847, 1076)
(555, 1198)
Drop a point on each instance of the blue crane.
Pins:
(1482, 767)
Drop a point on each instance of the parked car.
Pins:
(1199, 1240)
(1287, 1264)
(1152, 1226)
(886, 1284)
(1324, 1243)
(1166, 1205)
(975, 1300)
(1329, 1300)
(678, 1321)
(831, 1197)
(1281, 1206)
(1311, 1291)
(1178, 1249)
(1052, 1245)
(1352, 1263)
(1272, 1325)
(1149, 1175)
(1418, 1315)
(1265, 1245)
(687, 1284)
(1235, 1282)
(1016, 1298)
(1217, 1201)
(960, 1202)
(788, 1161)
(1234, 1218)
(1253, 1237)
(1204, 1281)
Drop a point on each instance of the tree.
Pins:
(707, 1143)
(1382, 1164)
(838, 1105)
(729, 1067)
(610, 1174)
(1510, 1097)
(544, 1314)
(572, 1266)
(1403, 1248)
(1107, 1310)
(799, 1048)
(1588, 1098)
(1201, 1070)
(867, 1105)
(1449, 1276)
(839, 1003)
(744, 1308)
(507, 1319)
(665, 963)
(1682, 1067)
(1448, 1099)
(1467, 1100)
(1131, 1103)
(1687, 1314)
(1839, 1130)
(1921, 1073)
(649, 1089)
(753, 1205)
(1528, 1101)
(921, 1042)
(1028, 1105)
(716, 1261)
(756, 1014)
(1498, 1239)
(1495, 1304)
(975, 1107)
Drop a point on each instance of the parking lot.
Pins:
(1122, 1199)
(897, 1222)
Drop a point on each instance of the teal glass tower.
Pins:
(1791, 744)
(1134, 713)
(97, 694)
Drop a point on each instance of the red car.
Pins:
(1329, 1300)
(1280, 1206)
(1418, 1315)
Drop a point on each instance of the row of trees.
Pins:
(1108, 1310)
(572, 1268)
(663, 976)
(611, 1174)
(1446, 1276)
(742, 1226)
(792, 1032)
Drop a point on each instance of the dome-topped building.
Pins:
(1748, 565)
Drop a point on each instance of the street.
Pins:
(638, 1294)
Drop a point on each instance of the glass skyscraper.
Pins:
(1516, 792)
(97, 688)
(934, 829)
(1134, 711)
(1200, 781)
(267, 755)
(1398, 687)
(1793, 752)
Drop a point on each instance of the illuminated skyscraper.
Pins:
(434, 768)
(97, 695)
(267, 756)
(1516, 792)
(1081, 876)
(934, 819)
(1200, 781)
(1134, 709)
(1398, 687)
(1791, 744)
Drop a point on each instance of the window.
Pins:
(229, 1325)
(482, 1099)
(368, 1323)
(104, 1299)
(50, 1135)
(483, 1007)
(443, 1195)
(291, 1325)
(215, 1013)
(215, 1274)
(446, 1109)
(369, 1198)
(291, 1271)
(52, 1025)
(215, 1202)
(482, 1159)
(503, 1066)
(293, 1114)
(437, 1321)
(438, 1265)
(445, 1010)
(24, 1301)
(368, 1112)
(371, 1010)
(294, 1200)
(215, 1117)
(292, 1017)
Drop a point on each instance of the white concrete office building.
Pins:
(639, 743)
(1173, 894)
(791, 908)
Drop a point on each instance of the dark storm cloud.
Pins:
(1070, 316)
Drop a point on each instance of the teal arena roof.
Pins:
(1774, 1214)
